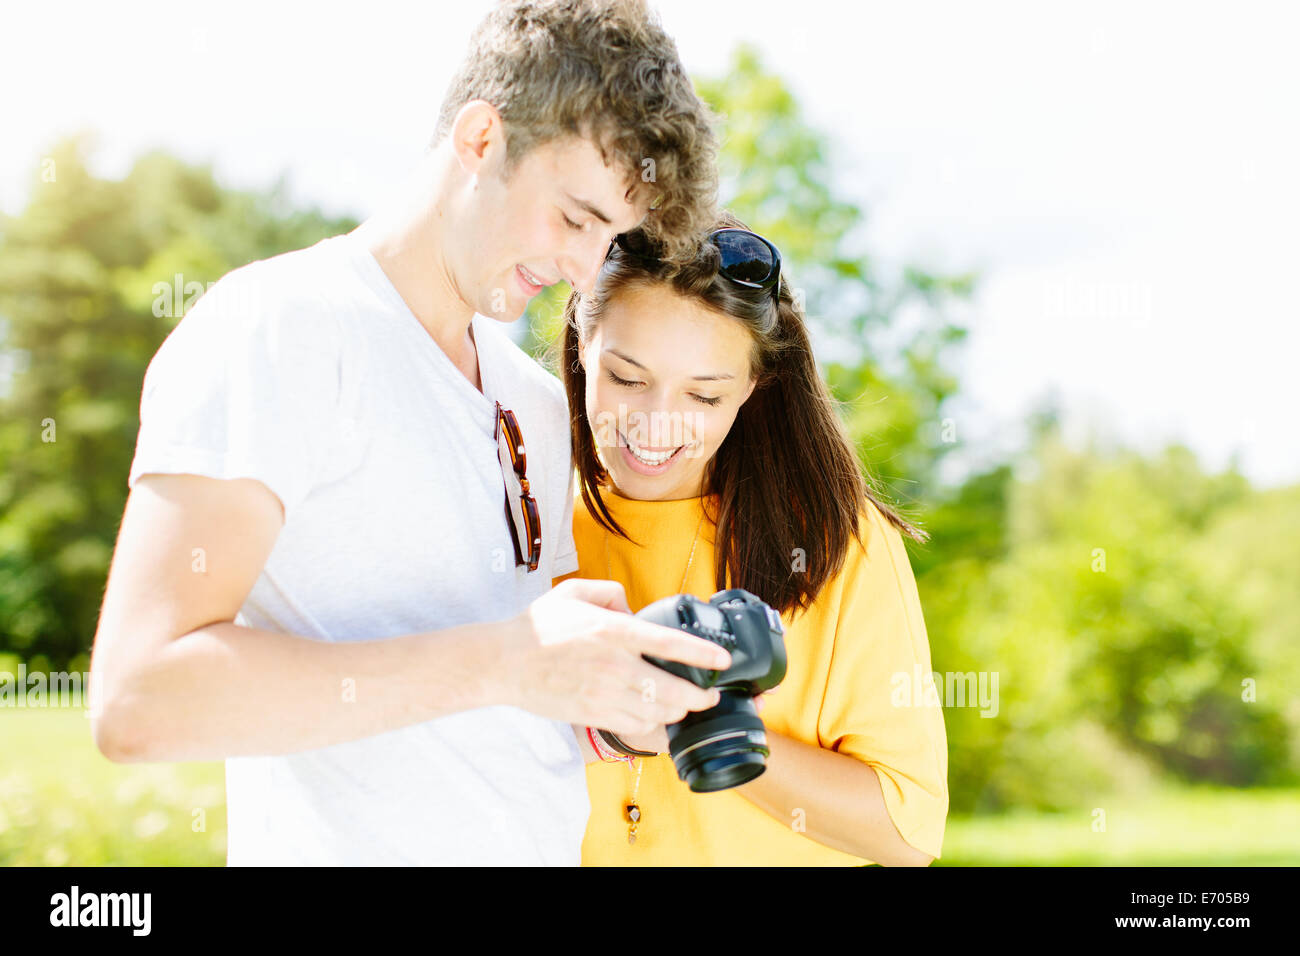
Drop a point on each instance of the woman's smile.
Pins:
(646, 462)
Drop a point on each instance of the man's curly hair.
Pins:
(604, 70)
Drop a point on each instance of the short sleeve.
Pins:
(881, 647)
(245, 386)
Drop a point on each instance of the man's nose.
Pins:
(584, 266)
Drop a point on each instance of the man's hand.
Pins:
(575, 655)
(657, 739)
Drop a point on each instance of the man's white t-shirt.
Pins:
(308, 372)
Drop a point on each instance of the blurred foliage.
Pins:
(1138, 613)
(1106, 591)
(80, 272)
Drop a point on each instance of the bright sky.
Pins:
(1124, 175)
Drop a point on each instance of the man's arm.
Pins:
(176, 679)
(181, 681)
(580, 733)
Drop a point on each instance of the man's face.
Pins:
(666, 376)
(552, 220)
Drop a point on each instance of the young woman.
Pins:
(709, 455)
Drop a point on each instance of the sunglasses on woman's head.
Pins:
(747, 258)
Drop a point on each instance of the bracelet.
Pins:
(603, 751)
(622, 748)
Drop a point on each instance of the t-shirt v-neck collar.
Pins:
(480, 399)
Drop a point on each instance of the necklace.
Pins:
(609, 574)
(632, 810)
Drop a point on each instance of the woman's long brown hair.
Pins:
(786, 477)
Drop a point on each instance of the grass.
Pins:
(62, 803)
(1196, 826)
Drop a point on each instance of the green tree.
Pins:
(88, 278)
(1103, 589)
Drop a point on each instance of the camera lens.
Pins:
(721, 747)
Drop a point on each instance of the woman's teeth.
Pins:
(530, 277)
(650, 457)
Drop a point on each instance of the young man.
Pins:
(323, 570)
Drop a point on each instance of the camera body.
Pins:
(725, 745)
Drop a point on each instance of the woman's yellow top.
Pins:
(844, 657)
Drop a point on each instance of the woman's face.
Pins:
(666, 376)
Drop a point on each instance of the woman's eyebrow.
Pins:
(627, 358)
(717, 377)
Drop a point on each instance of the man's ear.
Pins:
(478, 136)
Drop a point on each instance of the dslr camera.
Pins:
(725, 745)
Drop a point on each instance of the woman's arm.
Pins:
(834, 797)
(872, 613)
(839, 796)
